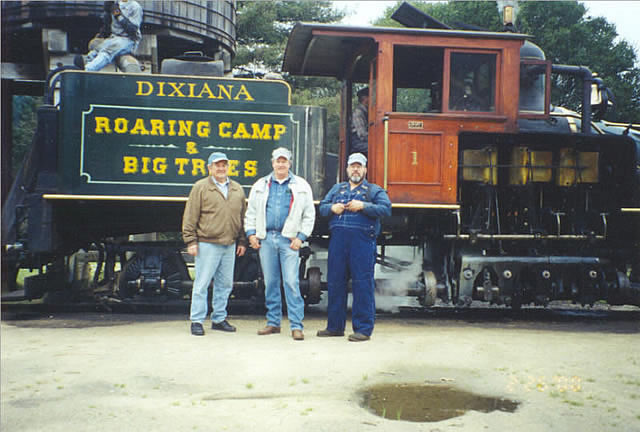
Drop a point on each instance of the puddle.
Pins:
(429, 403)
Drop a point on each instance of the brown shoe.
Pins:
(269, 330)
(297, 335)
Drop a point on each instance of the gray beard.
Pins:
(355, 179)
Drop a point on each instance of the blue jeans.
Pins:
(279, 260)
(352, 251)
(107, 51)
(215, 262)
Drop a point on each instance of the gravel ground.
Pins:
(117, 372)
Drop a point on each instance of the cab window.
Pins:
(473, 82)
(417, 79)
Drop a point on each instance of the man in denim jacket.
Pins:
(279, 218)
(355, 208)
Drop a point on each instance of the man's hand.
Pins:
(116, 10)
(337, 208)
(296, 243)
(254, 242)
(354, 205)
(240, 250)
(192, 249)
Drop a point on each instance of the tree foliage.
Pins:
(569, 36)
(263, 28)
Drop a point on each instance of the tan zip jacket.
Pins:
(209, 218)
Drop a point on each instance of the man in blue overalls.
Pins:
(355, 208)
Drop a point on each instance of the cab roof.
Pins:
(324, 49)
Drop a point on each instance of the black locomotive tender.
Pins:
(511, 201)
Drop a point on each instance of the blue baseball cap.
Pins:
(217, 157)
(357, 158)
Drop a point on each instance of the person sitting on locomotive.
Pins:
(121, 33)
(212, 228)
(360, 124)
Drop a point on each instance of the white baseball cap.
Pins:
(281, 152)
(357, 158)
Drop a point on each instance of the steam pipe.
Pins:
(587, 79)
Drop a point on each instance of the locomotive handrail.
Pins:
(184, 199)
(112, 197)
(426, 206)
(385, 120)
(523, 237)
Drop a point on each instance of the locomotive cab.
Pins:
(426, 87)
(511, 202)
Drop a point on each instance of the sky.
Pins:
(624, 14)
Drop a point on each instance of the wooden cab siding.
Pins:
(422, 154)
(422, 149)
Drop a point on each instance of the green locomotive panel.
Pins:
(151, 135)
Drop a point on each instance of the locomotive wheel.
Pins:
(174, 272)
(313, 274)
(430, 289)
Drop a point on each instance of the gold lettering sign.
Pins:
(415, 124)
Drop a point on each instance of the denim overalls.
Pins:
(352, 253)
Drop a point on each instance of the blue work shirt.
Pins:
(376, 205)
(278, 203)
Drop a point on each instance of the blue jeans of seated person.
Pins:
(107, 51)
(215, 262)
(277, 258)
(351, 251)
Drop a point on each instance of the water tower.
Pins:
(40, 36)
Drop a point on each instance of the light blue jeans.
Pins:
(107, 51)
(215, 262)
(278, 259)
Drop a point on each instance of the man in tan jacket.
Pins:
(212, 228)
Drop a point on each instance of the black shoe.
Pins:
(329, 333)
(78, 61)
(224, 326)
(358, 337)
(197, 329)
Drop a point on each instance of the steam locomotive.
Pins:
(510, 201)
